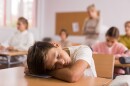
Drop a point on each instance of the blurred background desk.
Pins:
(10, 54)
(127, 66)
(117, 63)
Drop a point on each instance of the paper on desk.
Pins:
(122, 80)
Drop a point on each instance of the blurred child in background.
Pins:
(112, 46)
(64, 42)
(125, 39)
(21, 40)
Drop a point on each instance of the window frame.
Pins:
(5, 14)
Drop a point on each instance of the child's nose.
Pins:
(60, 64)
(61, 61)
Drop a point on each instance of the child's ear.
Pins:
(58, 45)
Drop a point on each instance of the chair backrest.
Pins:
(75, 44)
(104, 65)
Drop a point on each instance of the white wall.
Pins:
(114, 12)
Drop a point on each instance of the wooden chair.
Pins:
(104, 65)
(75, 44)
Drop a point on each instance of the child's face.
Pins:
(57, 58)
(21, 26)
(110, 41)
(63, 35)
(127, 29)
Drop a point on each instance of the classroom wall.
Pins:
(114, 12)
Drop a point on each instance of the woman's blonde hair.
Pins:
(91, 6)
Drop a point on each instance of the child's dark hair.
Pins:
(64, 30)
(36, 57)
(113, 32)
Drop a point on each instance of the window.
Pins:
(1, 12)
(11, 10)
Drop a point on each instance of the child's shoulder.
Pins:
(120, 45)
(78, 47)
(122, 36)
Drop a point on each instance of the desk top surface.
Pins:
(117, 63)
(12, 53)
(16, 77)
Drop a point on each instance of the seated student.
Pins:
(64, 41)
(22, 39)
(125, 39)
(68, 64)
(111, 46)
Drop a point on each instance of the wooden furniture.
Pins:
(118, 64)
(76, 44)
(66, 20)
(9, 55)
(126, 66)
(16, 77)
(104, 65)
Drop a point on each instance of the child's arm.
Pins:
(125, 54)
(122, 52)
(73, 73)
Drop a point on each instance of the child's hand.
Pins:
(56, 44)
(11, 48)
(127, 53)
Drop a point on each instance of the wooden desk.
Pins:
(9, 55)
(16, 77)
(126, 66)
(118, 64)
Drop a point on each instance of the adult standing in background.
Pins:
(92, 25)
(125, 39)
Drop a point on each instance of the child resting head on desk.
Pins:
(68, 64)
